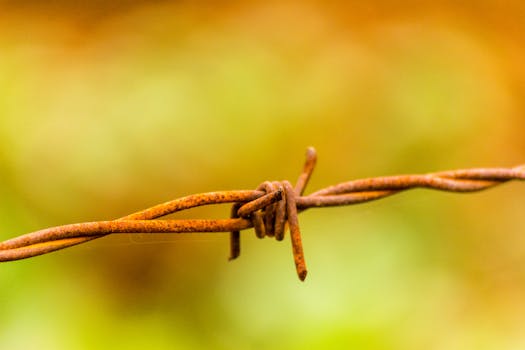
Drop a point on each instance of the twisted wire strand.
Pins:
(268, 209)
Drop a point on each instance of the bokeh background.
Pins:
(109, 107)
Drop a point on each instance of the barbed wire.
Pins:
(268, 209)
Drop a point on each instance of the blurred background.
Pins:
(110, 107)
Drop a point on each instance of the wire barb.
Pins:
(268, 209)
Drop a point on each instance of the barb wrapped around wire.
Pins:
(268, 209)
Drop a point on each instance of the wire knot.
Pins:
(267, 213)
(275, 208)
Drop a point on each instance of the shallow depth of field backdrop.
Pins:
(106, 109)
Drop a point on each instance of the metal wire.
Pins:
(267, 209)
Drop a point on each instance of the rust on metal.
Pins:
(269, 208)
(295, 233)
(235, 235)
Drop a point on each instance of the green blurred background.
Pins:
(107, 108)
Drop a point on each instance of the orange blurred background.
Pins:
(108, 108)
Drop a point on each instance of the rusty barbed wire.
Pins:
(268, 209)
